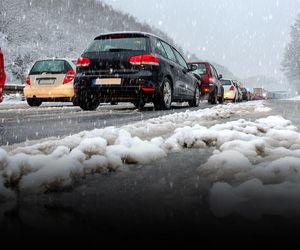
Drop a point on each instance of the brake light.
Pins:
(148, 89)
(231, 88)
(148, 59)
(206, 89)
(83, 62)
(70, 76)
(28, 80)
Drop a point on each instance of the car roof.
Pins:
(129, 32)
(199, 63)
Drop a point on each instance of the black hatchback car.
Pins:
(134, 67)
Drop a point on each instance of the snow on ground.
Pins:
(13, 99)
(296, 98)
(57, 163)
(252, 161)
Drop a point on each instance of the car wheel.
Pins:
(164, 100)
(140, 104)
(196, 100)
(213, 98)
(33, 102)
(88, 101)
(75, 101)
(234, 100)
(221, 99)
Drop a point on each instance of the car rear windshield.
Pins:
(50, 67)
(226, 82)
(201, 70)
(118, 43)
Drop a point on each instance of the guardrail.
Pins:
(13, 89)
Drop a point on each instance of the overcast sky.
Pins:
(246, 36)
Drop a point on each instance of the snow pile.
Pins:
(254, 163)
(57, 164)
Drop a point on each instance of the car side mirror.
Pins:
(193, 67)
(220, 77)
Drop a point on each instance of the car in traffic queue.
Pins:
(231, 91)
(2, 75)
(51, 80)
(246, 94)
(134, 67)
(211, 87)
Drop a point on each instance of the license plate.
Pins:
(107, 81)
(46, 82)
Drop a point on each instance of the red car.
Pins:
(2, 75)
(211, 86)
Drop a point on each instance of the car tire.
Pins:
(88, 101)
(213, 98)
(75, 102)
(234, 100)
(196, 100)
(140, 104)
(221, 99)
(164, 100)
(33, 102)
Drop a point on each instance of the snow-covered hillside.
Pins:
(56, 28)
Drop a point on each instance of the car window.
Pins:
(116, 43)
(226, 83)
(201, 69)
(169, 51)
(180, 59)
(49, 66)
(213, 71)
(159, 49)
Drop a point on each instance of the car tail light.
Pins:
(148, 89)
(231, 88)
(28, 80)
(70, 76)
(83, 62)
(148, 59)
(206, 89)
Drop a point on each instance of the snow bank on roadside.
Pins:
(255, 169)
(57, 164)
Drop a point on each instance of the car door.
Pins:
(216, 79)
(187, 81)
(172, 60)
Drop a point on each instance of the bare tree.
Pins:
(291, 61)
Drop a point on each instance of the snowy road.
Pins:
(186, 169)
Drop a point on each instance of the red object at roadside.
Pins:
(2, 75)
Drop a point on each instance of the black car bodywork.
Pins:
(134, 67)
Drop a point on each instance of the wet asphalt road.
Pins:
(19, 123)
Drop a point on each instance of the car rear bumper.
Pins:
(49, 92)
(131, 88)
(229, 95)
